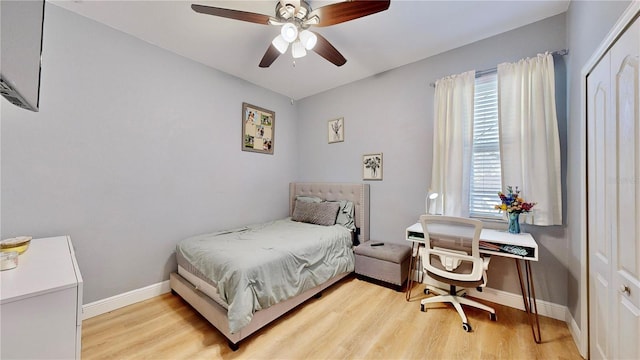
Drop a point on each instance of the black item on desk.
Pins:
(377, 244)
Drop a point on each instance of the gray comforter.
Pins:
(260, 265)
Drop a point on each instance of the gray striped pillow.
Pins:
(323, 213)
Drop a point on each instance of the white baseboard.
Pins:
(545, 308)
(576, 333)
(416, 276)
(115, 302)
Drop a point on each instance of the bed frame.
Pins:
(217, 314)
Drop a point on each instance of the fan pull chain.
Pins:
(293, 65)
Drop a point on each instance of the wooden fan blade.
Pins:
(344, 11)
(269, 57)
(232, 14)
(326, 50)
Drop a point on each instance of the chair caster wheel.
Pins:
(426, 291)
(422, 308)
(466, 327)
(492, 317)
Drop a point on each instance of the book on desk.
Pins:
(495, 242)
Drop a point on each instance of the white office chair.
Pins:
(451, 255)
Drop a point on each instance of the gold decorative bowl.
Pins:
(18, 244)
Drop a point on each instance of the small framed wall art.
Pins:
(336, 130)
(372, 166)
(258, 129)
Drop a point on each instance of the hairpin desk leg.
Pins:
(529, 299)
(412, 263)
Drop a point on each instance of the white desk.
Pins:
(501, 239)
(41, 303)
(500, 243)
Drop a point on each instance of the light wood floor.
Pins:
(353, 319)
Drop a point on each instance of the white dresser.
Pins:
(41, 303)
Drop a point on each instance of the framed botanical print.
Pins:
(258, 129)
(372, 166)
(336, 130)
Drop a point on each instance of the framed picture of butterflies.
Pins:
(258, 129)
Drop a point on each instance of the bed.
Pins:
(241, 302)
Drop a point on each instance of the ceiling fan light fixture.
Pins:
(297, 50)
(294, 17)
(308, 39)
(280, 43)
(289, 32)
(312, 20)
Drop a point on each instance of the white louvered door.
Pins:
(613, 153)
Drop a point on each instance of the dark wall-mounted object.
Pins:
(21, 51)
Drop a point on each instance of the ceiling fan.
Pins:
(295, 18)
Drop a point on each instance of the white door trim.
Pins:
(623, 22)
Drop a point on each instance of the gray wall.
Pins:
(392, 113)
(588, 23)
(135, 148)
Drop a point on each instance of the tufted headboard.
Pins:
(357, 193)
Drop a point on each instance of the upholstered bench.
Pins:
(388, 263)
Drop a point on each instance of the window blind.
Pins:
(486, 177)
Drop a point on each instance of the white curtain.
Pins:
(452, 141)
(529, 140)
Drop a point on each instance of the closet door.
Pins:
(625, 75)
(599, 114)
(613, 139)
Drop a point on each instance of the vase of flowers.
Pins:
(513, 205)
(514, 223)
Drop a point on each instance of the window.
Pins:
(486, 180)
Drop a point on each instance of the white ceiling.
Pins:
(410, 30)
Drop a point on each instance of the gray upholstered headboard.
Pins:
(358, 193)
